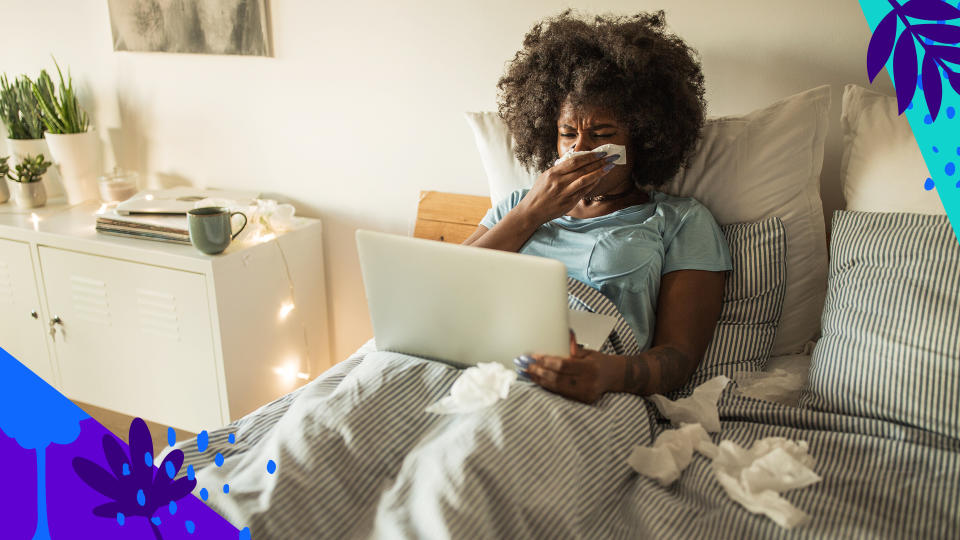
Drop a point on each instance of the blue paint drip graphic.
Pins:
(190, 526)
(203, 439)
(171, 436)
(172, 507)
(271, 467)
(245, 533)
(203, 493)
(141, 498)
(121, 519)
(218, 459)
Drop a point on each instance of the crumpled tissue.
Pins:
(670, 453)
(700, 407)
(754, 478)
(478, 387)
(610, 149)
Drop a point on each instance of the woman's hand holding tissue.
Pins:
(558, 189)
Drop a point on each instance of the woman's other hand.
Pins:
(584, 376)
(558, 189)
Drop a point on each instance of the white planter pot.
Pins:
(77, 155)
(21, 148)
(28, 195)
(4, 192)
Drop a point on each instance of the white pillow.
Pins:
(882, 169)
(746, 168)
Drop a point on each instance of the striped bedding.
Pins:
(358, 457)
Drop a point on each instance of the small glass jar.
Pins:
(118, 186)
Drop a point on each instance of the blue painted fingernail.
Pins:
(608, 166)
(612, 158)
(600, 153)
(523, 375)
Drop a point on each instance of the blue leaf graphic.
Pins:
(881, 45)
(930, 10)
(949, 54)
(932, 86)
(944, 33)
(905, 70)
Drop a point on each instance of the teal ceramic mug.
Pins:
(210, 228)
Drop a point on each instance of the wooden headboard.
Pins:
(449, 217)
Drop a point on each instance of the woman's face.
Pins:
(585, 128)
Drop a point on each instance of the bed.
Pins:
(353, 454)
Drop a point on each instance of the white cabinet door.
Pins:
(134, 338)
(21, 333)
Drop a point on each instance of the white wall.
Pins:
(361, 105)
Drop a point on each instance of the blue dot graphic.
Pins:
(909, 105)
(155, 520)
(171, 471)
(927, 119)
(958, 184)
(950, 168)
(271, 467)
(203, 439)
(928, 185)
(226, 488)
(126, 469)
(232, 438)
(920, 80)
(121, 519)
(190, 473)
(148, 459)
(245, 533)
(218, 459)
(203, 493)
(951, 112)
(958, 150)
(141, 498)
(935, 150)
(190, 526)
(171, 436)
(172, 507)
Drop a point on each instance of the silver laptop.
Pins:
(465, 305)
(462, 304)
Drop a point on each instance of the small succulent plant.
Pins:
(19, 109)
(4, 168)
(30, 170)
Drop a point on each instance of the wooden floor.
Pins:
(119, 424)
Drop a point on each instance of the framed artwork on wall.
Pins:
(236, 27)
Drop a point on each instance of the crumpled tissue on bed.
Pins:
(610, 149)
(754, 478)
(478, 387)
(700, 407)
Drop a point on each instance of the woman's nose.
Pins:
(584, 144)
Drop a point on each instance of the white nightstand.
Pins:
(160, 330)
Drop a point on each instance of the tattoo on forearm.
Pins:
(656, 371)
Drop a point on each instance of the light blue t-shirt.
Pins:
(624, 254)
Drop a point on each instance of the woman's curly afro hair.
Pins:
(648, 78)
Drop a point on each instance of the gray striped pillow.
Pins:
(891, 322)
(752, 301)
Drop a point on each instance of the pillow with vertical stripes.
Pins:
(752, 301)
(890, 345)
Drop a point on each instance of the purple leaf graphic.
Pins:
(905, 70)
(954, 79)
(881, 44)
(930, 10)
(944, 33)
(932, 86)
(949, 54)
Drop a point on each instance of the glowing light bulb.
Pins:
(285, 309)
(148, 197)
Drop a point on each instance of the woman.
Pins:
(576, 85)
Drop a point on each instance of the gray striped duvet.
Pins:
(358, 457)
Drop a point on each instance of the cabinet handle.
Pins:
(34, 314)
(53, 326)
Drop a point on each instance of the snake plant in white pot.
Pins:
(73, 147)
(26, 181)
(20, 113)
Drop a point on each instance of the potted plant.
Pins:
(4, 169)
(26, 183)
(73, 147)
(21, 114)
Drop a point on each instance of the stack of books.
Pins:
(160, 227)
